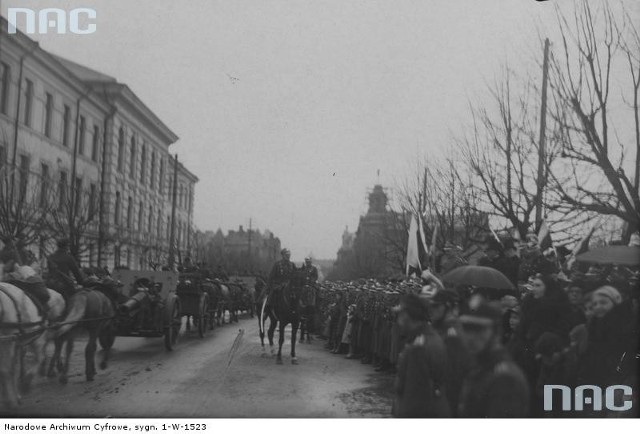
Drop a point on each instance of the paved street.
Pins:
(197, 380)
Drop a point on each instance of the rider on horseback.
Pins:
(281, 272)
(62, 269)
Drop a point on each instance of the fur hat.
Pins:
(610, 292)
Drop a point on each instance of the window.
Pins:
(28, 103)
(140, 217)
(44, 184)
(5, 81)
(81, 135)
(152, 171)
(48, 113)
(150, 223)
(117, 211)
(132, 167)
(66, 122)
(161, 177)
(92, 201)
(3, 156)
(143, 163)
(96, 143)
(130, 213)
(120, 149)
(24, 175)
(62, 190)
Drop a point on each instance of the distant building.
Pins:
(242, 251)
(377, 247)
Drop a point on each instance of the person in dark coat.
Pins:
(545, 308)
(443, 314)
(420, 384)
(63, 269)
(495, 386)
(612, 340)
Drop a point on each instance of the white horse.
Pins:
(22, 328)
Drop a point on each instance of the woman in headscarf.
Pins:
(612, 340)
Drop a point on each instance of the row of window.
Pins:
(149, 221)
(27, 108)
(184, 193)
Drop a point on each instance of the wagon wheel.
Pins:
(173, 321)
(202, 318)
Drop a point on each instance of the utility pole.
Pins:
(541, 148)
(250, 262)
(172, 236)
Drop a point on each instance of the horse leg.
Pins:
(27, 374)
(55, 359)
(68, 342)
(303, 323)
(270, 333)
(105, 358)
(8, 376)
(280, 342)
(90, 355)
(294, 330)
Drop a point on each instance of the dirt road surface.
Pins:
(212, 377)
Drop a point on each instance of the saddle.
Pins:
(36, 290)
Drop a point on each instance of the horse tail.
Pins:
(75, 313)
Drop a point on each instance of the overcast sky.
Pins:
(286, 109)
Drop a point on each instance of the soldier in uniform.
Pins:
(310, 272)
(63, 269)
(281, 271)
(495, 386)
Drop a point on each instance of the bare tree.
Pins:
(74, 215)
(502, 152)
(596, 84)
(24, 204)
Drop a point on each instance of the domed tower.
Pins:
(377, 200)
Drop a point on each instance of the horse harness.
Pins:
(24, 337)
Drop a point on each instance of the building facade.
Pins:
(242, 251)
(93, 156)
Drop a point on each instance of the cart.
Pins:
(148, 306)
(194, 301)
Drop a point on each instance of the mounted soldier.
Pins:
(281, 272)
(63, 268)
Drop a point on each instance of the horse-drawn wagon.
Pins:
(148, 306)
(195, 301)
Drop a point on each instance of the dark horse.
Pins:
(92, 310)
(287, 308)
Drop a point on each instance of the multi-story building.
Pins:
(96, 152)
(242, 251)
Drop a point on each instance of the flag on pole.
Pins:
(423, 237)
(544, 236)
(580, 247)
(413, 248)
(495, 235)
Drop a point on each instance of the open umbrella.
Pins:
(619, 255)
(484, 277)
